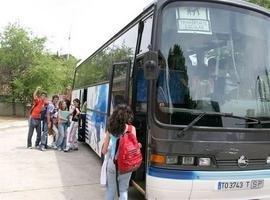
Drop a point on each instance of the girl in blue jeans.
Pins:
(118, 121)
(62, 126)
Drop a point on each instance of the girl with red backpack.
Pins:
(119, 124)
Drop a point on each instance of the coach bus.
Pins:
(196, 74)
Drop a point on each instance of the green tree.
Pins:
(51, 72)
(26, 64)
(19, 49)
(264, 3)
(97, 68)
(176, 59)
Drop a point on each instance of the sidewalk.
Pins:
(12, 122)
(30, 174)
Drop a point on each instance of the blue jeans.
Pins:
(62, 136)
(123, 180)
(44, 137)
(34, 124)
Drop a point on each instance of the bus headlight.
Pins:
(171, 160)
(188, 160)
(268, 160)
(158, 159)
(204, 162)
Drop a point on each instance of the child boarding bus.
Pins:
(196, 74)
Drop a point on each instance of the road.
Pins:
(27, 174)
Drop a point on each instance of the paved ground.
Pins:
(27, 174)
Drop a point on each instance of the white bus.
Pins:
(196, 74)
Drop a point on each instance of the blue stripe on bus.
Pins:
(208, 175)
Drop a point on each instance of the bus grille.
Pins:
(252, 163)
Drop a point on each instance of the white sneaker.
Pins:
(42, 149)
(29, 147)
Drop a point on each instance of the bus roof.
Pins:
(159, 3)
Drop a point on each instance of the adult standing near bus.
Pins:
(65, 99)
(121, 117)
(34, 122)
(51, 121)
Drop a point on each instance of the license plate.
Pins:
(240, 185)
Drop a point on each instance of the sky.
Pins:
(89, 23)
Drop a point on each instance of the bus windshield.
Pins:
(215, 58)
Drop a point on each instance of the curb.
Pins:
(20, 125)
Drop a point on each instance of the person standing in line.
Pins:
(51, 115)
(54, 128)
(34, 122)
(62, 126)
(121, 117)
(43, 118)
(72, 136)
(67, 101)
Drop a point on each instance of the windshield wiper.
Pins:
(202, 114)
(194, 121)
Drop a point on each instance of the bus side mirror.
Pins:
(150, 66)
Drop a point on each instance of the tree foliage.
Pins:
(27, 64)
(264, 3)
(97, 69)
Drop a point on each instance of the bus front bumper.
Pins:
(205, 185)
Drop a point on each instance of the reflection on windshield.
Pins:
(211, 59)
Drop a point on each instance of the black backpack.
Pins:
(43, 114)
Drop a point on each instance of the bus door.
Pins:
(140, 121)
(140, 99)
(119, 84)
(82, 122)
(119, 94)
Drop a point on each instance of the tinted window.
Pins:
(213, 60)
(119, 86)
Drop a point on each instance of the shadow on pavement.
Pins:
(81, 169)
(28, 174)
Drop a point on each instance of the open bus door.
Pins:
(82, 122)
(119, 91)
(145, 70)
(119, 85)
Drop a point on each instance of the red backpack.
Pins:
(129, 153)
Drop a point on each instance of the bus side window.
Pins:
(119, 84)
